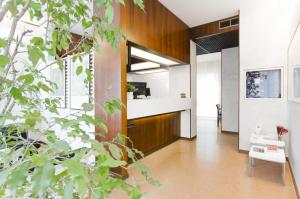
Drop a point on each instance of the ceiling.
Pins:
(216, 43)
(198, 12)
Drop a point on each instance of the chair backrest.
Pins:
(219, 109)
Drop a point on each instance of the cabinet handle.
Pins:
(130, 126)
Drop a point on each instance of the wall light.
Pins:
(144, 65)
(151, 57)
(160, 70)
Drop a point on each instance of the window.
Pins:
(73, 89)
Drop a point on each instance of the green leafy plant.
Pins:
(49, 166)
(130, 88)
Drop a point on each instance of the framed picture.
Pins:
(294, 67)
(264, 83)
(79, 89)
(57, 76)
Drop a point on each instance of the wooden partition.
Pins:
(211, 29)
(156, 29)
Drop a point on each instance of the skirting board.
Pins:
(230, 132)
(189, 139)
(243, 151)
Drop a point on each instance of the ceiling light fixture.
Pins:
(144, 65)
(151, 57)
(160, 70)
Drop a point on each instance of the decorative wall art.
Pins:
(266, 83)
(294, 67)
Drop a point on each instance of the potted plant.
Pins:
(130, 89)
(49, 166)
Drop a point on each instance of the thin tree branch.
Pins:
(4, 10)
(47, 26)
(16, 50)
(14, 26)
(66, 53)
(7, 108)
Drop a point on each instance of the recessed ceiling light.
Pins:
(144, 65)
(151, 57)
(160, 70)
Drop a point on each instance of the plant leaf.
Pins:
(4, 60)
(42, 179)
(112, 163)
(2, 43)
(79, 70)
(87, 107)
(68, 193)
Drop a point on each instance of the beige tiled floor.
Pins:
(211, 168)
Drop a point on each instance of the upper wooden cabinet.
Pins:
(156, 29)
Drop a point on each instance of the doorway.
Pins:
(218, 82)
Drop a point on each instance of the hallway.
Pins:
(210, 167)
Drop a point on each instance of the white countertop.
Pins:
(147, 107)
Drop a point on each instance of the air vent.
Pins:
(224, 24)
(228, 23)
(235, 21)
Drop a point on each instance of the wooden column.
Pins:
(110, 81)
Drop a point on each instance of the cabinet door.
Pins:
(152, 133)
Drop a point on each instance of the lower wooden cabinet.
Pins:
(149, 134)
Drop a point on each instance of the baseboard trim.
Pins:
(230, 132)
(189, 139)
(243, 151)
(293, 178)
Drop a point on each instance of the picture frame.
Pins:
(266, 83)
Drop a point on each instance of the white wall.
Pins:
(264, 38)
(266, 28)
(208, 84)
(157, 82)
(230, 89)
(294, 114)
(179, 80)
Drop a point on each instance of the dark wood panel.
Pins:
(156, 29)
(210, 29)
(110, 81)
(107, 75)
(152, 133)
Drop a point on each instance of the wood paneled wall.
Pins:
(156, 29)
(211, 29)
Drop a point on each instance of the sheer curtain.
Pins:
(208, 85)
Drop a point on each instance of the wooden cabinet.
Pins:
(152, 133)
